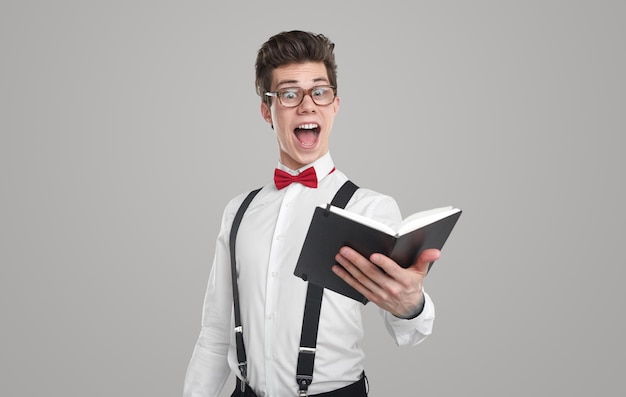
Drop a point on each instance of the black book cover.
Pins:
(329, 231)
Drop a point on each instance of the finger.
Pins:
(356, 265)
(364, 265)
(397, 272)
(357, 270)
(388, 265)
(425, 259)
(346, 276)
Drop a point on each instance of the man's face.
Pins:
(302, 131)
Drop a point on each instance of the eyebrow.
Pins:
(316, 80)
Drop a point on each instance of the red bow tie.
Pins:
(307, 177)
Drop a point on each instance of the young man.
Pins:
(296, 78)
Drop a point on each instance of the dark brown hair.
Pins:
(293, 47)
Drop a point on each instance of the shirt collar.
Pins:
(323, 166)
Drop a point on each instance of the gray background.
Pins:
(123, 122)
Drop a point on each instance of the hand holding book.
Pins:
(332, 228)
(382, 281)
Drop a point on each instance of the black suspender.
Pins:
(241, 350)
(310, 322)
(313, 305)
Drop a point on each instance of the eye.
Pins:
(289, 94)
(319, 91)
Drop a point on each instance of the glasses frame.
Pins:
(305, 92)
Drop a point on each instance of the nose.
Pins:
(307, 104)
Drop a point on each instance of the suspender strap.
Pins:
(344, 194)
(313, 305)
(241, 350)
(310, 322)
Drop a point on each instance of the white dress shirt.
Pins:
(272, 297)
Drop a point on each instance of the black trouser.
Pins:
(357, 389)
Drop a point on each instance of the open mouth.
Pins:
(307, 134)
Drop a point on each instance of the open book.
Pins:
(332, 228)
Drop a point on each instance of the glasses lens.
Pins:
(290, 96)
(323, 95)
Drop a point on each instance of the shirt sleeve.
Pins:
(208, 368)
(413, 331)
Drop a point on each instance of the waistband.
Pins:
(356, 389)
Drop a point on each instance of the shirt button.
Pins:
(274, 274)
(280, 238)
(270, 316)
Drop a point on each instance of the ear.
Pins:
(336, 104)
(266, 113)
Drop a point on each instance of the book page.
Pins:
(423, 218)
(412, 222)
(362, 220)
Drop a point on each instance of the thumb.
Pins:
(425, 258)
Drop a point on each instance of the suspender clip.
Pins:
(243, 368)
(303, 382)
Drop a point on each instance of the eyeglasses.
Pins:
(291, 97)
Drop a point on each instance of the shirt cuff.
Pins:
(412, 331)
